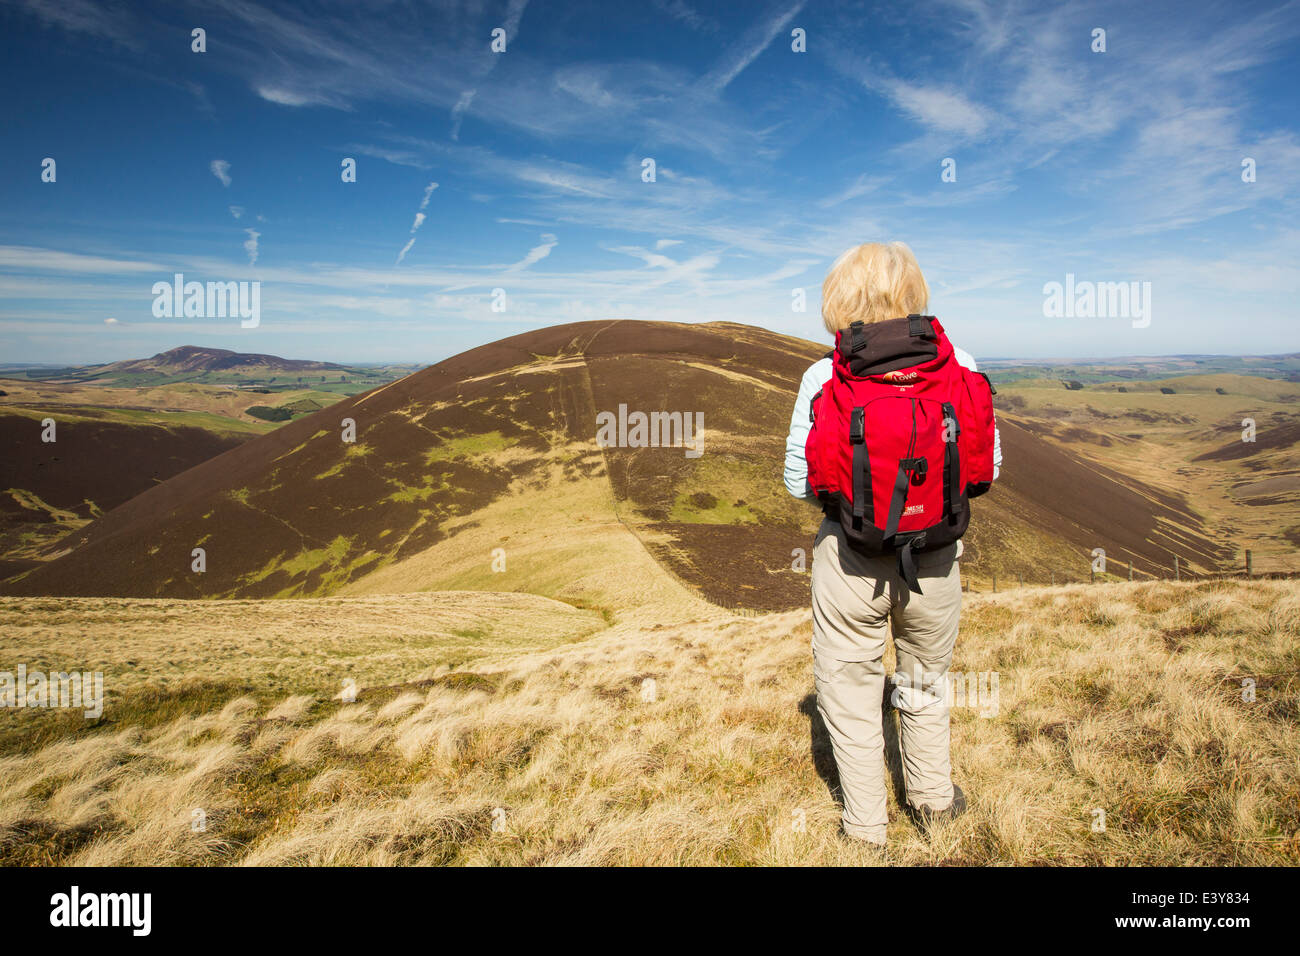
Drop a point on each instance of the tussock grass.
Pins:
(1117, 697)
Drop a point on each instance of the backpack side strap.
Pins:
(907, 563)
(864, 508)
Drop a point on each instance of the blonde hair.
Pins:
(873, 282)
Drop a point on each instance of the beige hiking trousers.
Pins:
(853, 599)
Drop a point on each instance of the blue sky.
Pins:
(1122, 166)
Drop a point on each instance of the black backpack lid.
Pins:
(888, 346)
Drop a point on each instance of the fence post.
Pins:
(1130, 569)
(1248, 569)
(995, 582)
(1177, 575)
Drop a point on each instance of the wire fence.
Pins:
(973, 582)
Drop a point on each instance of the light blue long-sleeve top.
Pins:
(796, 465)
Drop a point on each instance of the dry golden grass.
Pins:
(1126, 698)
(567, 541)
(159, 656)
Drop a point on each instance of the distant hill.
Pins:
(1285, 367)
(186, 360)
(126, 426)
(205, 365)
(491, 456)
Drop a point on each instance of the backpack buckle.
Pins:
(919, 327)
(857, 426)
(857, 341)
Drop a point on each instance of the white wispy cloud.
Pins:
(299, 60)
(405, 249)
(283, 96)
(654, 260)
(514, 13)
(37, 259)
(458, 111)
(251, 245)
(491, 274)
(419, 221)
(860, 186)
(398, 157)
(535, 254)
(221, 169)
(111, 22)
(940, 108)
(684, 12)
(589, 84)
(747, 47)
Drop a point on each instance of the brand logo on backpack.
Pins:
(901, 376)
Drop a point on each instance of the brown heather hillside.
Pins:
(97, 462)
(495, 449)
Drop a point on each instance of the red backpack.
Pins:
(901, 438)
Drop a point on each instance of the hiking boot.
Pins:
(929, 817)
(876, 850)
